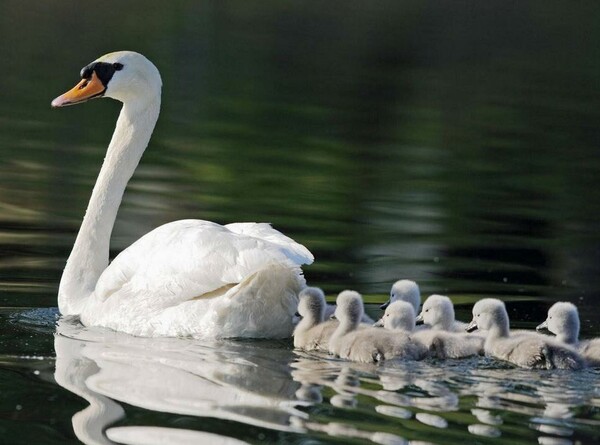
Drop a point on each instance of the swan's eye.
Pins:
(426, 310)
(118, 66)
(479, 315)
(549, 318)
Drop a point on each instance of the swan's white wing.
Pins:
(187, 259)
(294, 251)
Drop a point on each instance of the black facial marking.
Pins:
(103, 70)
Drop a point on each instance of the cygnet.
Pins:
(405, 290)
(563, 321)
(312, 332)
(525, 350)
(369, 344)
(400, 316)
(438, 314)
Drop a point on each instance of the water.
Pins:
(454, 144)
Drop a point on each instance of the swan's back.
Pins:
(198, 278)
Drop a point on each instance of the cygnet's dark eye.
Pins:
(118, 66)
(479, 315)
(426, 310)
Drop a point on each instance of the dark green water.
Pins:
(454, 143)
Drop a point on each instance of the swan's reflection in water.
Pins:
(269, 386)
(247, 382)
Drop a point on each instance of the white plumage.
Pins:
(186, 278)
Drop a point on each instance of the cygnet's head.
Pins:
(312, 304)
(405, 290)
(563, 321)
(437, 312)
(349, 307)
(487, 314)
(398, 315)
(126, 76)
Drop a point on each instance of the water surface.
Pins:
(454, 144)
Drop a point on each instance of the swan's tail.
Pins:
(261, 306)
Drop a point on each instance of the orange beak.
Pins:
(84, 90)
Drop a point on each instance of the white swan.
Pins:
(438, 314)
(186, 278)
(369, 344)
(313, 332)
(400, 316)
(563, 321)
(525, 350)
(404, 290)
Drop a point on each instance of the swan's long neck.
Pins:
(90, 253)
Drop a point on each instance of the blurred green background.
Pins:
(454, 143)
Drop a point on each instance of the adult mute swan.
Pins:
(185, 278)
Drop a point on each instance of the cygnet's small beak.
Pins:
(419, 319)
(378, 323)
(542, 326)
(384, 306)
(472, 326)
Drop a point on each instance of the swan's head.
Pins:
(398, 315)
(563, 320)
(349, 307)
(312, 304)
(405, 290)
(438, 312)
(487, 314)
(124, 75)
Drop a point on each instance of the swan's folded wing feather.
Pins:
(295, 251)
(186, 259)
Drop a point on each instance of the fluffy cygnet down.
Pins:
(330, 311)
(404, 290)
(438, 314)
(400, 316)
(525, 350)
(563, 321)
(313, 332)
(369, 344)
